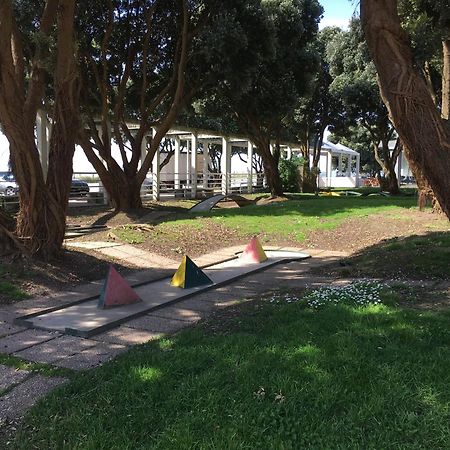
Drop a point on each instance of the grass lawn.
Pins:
(279, 373)
(284, 220)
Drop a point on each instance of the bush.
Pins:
(289, 173)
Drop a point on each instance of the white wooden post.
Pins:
(329, 168)
(340, 164)
(225, 165)
(205, 164)
(349, 165)
(188, 164)
(43, 137)
(144, 150)
(358, 163)
(194, 142)
(176, 175)
(249, 167)
(289, 152)
(156, 179)
(398, 167)
(143, 155)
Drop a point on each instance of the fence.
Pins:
(171, 185)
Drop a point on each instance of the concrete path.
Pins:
(21, 389)
(86, 319)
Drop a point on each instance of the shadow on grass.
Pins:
(265, 377)
(417, 257)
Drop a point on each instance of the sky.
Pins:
(338, 12)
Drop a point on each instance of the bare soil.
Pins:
(358, 233)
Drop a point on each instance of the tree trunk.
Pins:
(270, 163)
(125, 192)
(41, 219)
(406, 96)
(445, 111)
(424, 192)
(65, 130)
(9, 244)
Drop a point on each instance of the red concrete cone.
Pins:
(254, 252)
(116, 291)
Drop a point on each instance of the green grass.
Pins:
(8, 290)
(45, 370)
(295, 218)
(268, 375)
(129, 234)
(426, 257)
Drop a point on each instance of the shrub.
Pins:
(289, 173)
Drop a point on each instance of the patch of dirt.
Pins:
(173, 241)
(38, 278)
(357, 233)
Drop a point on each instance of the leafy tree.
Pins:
(135, 56)
(355, 83)
(424, 134)
(315, 111)
(273, 71)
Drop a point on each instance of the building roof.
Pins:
(338, 148)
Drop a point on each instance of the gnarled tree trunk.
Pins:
(406, 96)
(445, 111)
(387, 161)
(270, 163)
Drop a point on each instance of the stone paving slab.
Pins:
(15, 403)
(9, 376)
(20, 341)
(157, 324)
(198, 303)
(56, 349)
(179, 313)
(91, 357)
(124, 335)
(6, 329)
(93, 245)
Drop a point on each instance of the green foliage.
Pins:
(289, 173)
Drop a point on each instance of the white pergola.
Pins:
(196, 141)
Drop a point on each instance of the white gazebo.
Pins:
(339, 166)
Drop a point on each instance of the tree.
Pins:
(32, 48)
(145, 62)
(316, 111)
(135, 56)
(283, 75)
(412, 110)
(355, 83)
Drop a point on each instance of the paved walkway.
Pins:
(19, 389)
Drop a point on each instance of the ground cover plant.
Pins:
(274, 373)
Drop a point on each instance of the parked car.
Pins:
(8, 184)
(79, 188)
